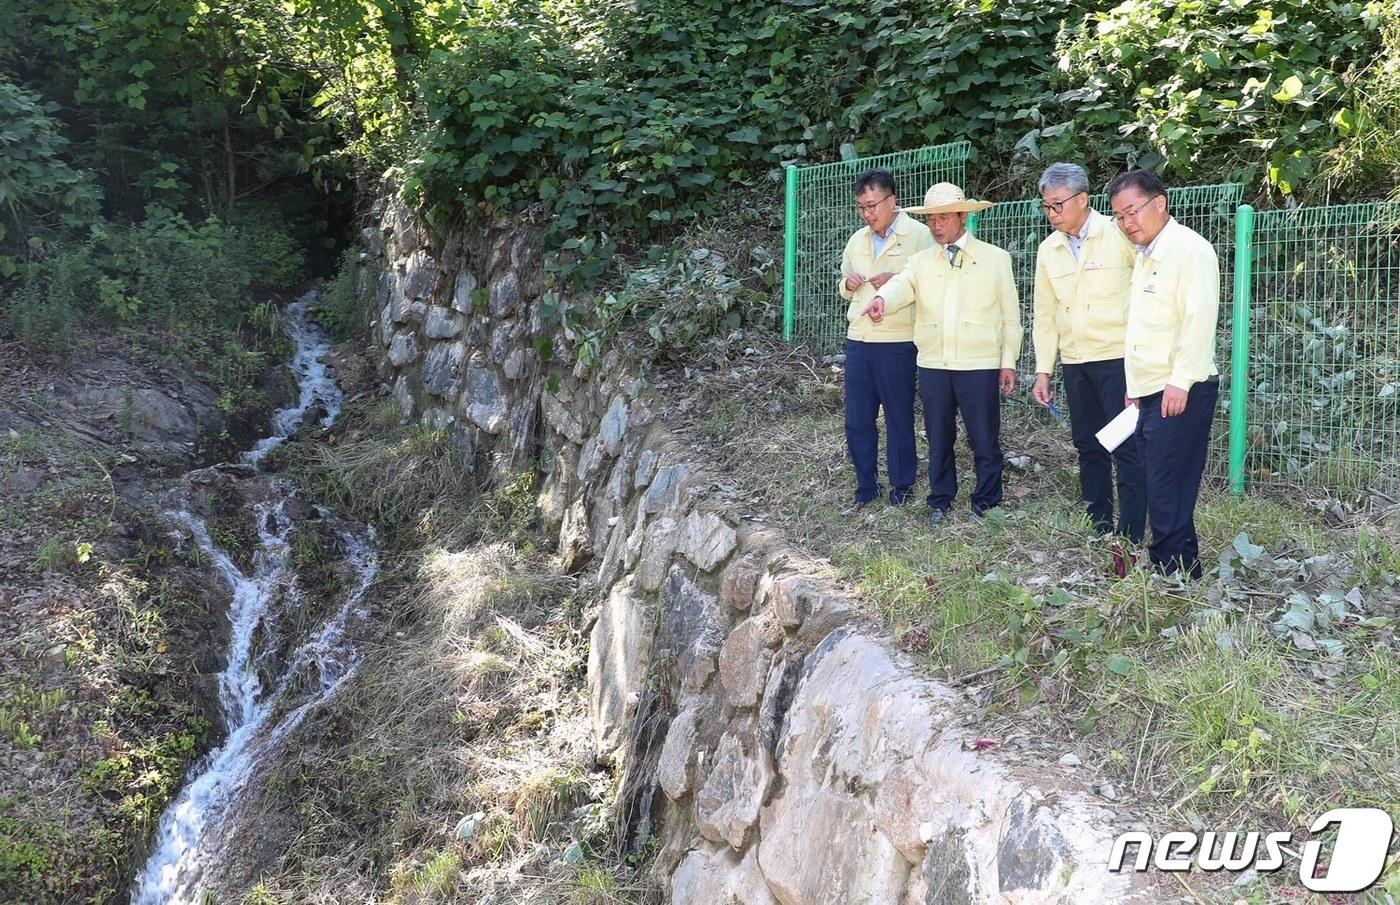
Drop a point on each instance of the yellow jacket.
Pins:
(1172, 312)
(966, 318)
(1081, 306)
(910, 236)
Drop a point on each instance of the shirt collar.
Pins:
(1089, 228)
(960, 242)
(1151, 249)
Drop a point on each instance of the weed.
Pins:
(54, 554)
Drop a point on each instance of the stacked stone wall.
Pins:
(772, 746)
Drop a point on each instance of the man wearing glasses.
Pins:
(1082, 272)
(880, 355)
(1169, 361)
(967, 327)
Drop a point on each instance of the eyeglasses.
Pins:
(873, 206)
(1121, 217)
(1058, 207)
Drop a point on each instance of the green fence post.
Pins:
(1239, 351)
(972, 220)
(790, 256)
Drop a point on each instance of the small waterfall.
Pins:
(258, 718)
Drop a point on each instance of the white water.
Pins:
(314, 380)
(256, 721)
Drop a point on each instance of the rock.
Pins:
(745, 657)
(22, 480)
(148, 413)
(590, 459)
(658, 545)
(1032, 854)
(384, 291)
(518, 363)
(442, 323)
(400, 228)
(799, 601)
(467, 826)
(693, 627)
(950, 873)
(558, 415)
(675, 769)
(462, 292)
(505, 295)
(403, 395)
(575, 542)
(618, 655)
(823, 850)
(441, 367)
(484, 401)
(778, 692)
(707, 540)
(501, 341)
(436, 419)
(718, 877)
(667, 490)
(727, 806)
(373, 240)
(1070, 760)
(614, 425)
(854, 717)
(739, 580)
(646, 468)
(403, 348)
(420, 273)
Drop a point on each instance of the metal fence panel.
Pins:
(1324, 401)
(1020, 227)
(821, 218)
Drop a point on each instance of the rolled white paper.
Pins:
(1112, 434)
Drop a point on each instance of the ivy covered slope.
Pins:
(645, 112)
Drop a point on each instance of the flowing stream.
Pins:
(259, 714)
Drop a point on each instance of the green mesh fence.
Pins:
(1020, 227)
(1324, 364)
(821, 218)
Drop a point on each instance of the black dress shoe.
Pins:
(937, 517)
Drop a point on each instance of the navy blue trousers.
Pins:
(1095, 391)
(1174, 458)
(973, 393)
(881, 376)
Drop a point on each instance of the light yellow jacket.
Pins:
(1172, 312)
(1081, 306)
(966, 318)
(910, 236)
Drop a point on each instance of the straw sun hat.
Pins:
(946, 198)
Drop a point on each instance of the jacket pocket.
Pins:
(978, 339)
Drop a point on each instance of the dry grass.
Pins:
(458, 766)
(1185, 696)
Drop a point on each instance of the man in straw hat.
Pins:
(1082, 271)
(880, 357)
(967, 327)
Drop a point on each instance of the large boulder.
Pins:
(618, 654)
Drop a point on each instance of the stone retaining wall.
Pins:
(771, 744)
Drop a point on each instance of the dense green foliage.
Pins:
(1257, 93)
(625, 120)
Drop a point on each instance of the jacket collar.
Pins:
(1093, 228)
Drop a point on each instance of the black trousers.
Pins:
(1095, 391)
(973, 393)
(1174, 458)
(881, 376)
